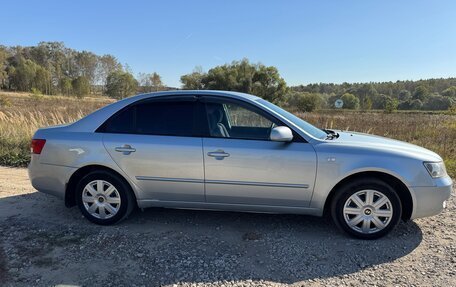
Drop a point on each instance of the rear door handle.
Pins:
(218, 154)
(126, 149)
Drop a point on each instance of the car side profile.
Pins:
(222, 150)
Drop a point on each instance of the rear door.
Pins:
(243, 166)
(155, 143)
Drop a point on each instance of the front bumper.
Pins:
(429, 200)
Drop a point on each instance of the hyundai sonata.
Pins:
(231, 151)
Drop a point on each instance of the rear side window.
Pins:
(122, 122)
(165, 118)
(154, 118)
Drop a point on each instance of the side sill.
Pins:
(230, 207)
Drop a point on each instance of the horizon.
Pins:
(309, 43)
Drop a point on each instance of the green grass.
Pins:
(14, 153)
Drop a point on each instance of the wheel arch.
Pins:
(398, 185)
(70, 191)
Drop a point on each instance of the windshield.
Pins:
(310, 129)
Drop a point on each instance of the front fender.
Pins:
(336, 165)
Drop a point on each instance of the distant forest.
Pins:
(431, 94)
(54, 69)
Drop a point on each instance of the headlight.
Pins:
(436, 169)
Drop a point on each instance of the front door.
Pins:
(243, 166)
(154, 143)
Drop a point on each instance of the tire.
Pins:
(366, 208)
(104, 198)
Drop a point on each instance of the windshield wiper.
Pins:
(331, 134)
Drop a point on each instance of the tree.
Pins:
(42, 80)
(367, 103)
(193, 81)
(87, 64)
(410, 105)
(3, 66)
(23, 75)
(379, 101)
(350, 101)
(121, 84)
(405, 95)
(450, 92)
(365, 92)
(107, 64)
(421, 93)
(150, 82)
(437, 102)
(305, 102)
(81, 86)
(144, 83)
(391, 105)
(241, 76)
(268, 84)
(65, 86)
(53, 56)
(156, 81)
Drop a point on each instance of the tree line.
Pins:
(52, 68)
(431, 94)
(265, 82)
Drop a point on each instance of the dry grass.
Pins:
(24, 114)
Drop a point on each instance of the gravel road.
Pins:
(43, 243)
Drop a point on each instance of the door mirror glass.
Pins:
(281, 134)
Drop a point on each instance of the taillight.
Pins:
(37, 145)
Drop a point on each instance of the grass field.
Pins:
(22, 114)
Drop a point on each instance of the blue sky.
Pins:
(308, 41)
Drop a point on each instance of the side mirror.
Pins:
(281, 134)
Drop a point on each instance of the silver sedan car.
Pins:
(231, 151)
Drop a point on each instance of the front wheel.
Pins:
(104, 198)
(366, 208)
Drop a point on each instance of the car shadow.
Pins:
(169, 246)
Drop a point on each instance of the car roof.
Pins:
(196, 92)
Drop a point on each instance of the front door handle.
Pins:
(126, 149)
(218, 154)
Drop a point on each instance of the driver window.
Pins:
(230, 120)
(241, 117)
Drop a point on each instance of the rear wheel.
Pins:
(104, 198)
(366, 208)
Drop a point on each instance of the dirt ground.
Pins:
(43, 243)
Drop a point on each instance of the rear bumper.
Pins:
(47, 178)
(430, 200)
